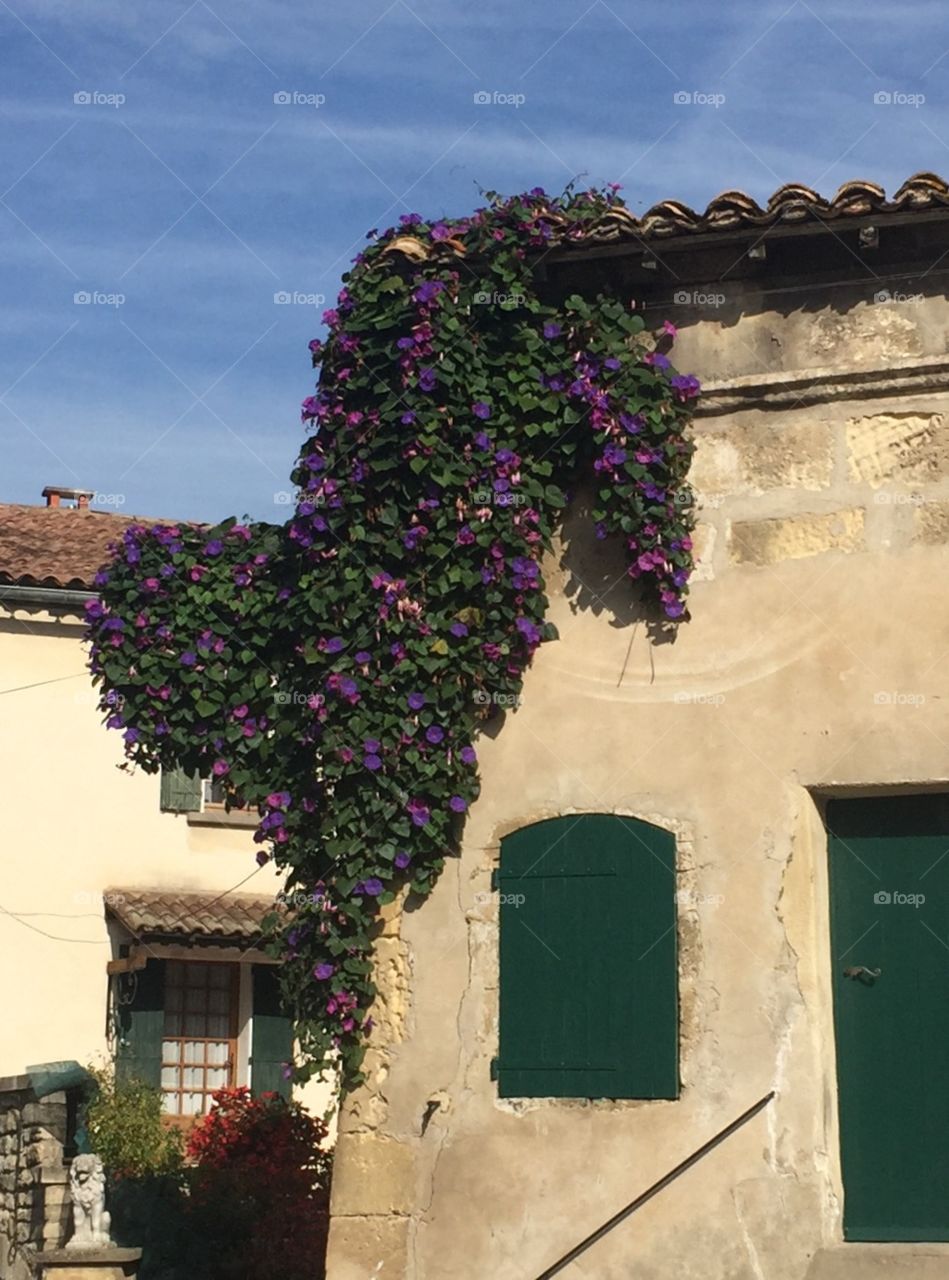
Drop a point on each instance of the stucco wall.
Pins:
(74, 825)
(814, 660)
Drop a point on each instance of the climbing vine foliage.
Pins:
(334, 671)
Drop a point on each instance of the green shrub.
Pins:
(124, 1123)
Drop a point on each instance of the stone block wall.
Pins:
(34, 1204)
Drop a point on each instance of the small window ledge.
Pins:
(221, 818)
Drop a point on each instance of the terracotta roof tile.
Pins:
(792, 203)
(57, 546)
(166, 913)
(731, 211)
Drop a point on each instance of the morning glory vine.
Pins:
(334, 672)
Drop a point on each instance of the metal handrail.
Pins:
(655, 1189)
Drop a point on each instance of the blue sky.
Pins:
(199, 197)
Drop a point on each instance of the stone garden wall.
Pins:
(34, 1206)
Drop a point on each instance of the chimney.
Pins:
(55, 495)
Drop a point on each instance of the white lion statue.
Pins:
(91, 1222)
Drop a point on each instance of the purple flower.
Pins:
(188, 659)
(614, 455)
(468, 755)
(362, 657)
(458, 804)
(552, 329)
(371, 746)
(428, 291)
(372, 887)
(528, 630)
(426, 379)
(402, 860)
(440, 232)
(407, 419)
(434, 734)
(220, 768)
(324, 971)
(131, 735)
(214, 547)
(418, 812)
(483, 441)
(416, 701)
(685, 385)
(458, 629)
(657, 360)
(334, 645)
(481, 410)
(674, 609)
(372, 762)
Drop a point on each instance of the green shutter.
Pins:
(588, 970)
(180, 791)
(271, 1035)
(140, 1017)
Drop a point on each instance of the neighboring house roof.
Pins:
(56, 546)
(165, 913)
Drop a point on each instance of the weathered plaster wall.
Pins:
(815, 659)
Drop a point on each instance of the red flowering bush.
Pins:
(259, 1189)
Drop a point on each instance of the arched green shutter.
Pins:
(588, 969)
(140, 1020)
(271, 1035)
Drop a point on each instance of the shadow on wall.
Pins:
(592, 574)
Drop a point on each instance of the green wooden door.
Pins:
(588, 976)
(889, 888)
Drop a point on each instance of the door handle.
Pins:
(861, 971)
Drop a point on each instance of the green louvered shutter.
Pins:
(271, 1035)
(180, 791)
(588, 969)
(140, 1014)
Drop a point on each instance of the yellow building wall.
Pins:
(75, 823)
